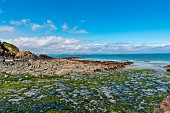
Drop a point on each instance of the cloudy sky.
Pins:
(86, 26)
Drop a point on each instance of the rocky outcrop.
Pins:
(43, 57)
(164, 106)
(25, 55)
(167, 68)
(57, 67)
(8, 50)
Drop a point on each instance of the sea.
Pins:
(141, 61)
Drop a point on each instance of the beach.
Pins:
(73, 84)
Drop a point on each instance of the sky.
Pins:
(86, 26)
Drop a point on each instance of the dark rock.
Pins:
(43, 57)
(168, 70)
(159, 110)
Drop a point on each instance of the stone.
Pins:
(25, 55)
(165, 104)
(159, 110)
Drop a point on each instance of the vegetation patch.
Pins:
(129, 91)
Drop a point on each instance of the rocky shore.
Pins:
(57, 66)
(13, 61)
(31, 83)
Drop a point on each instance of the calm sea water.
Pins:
(119, 57)
(141, 61)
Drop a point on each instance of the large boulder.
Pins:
(164, 106)
(25, 55)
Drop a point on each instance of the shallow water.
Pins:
(141, 61)
(118, 57)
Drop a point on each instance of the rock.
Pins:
(6, 76)
(7, 49)
(10, 47)
(25, 55)
(29, 94)
(159, 110)
(21, 79)
(43, 57)
(100, 97)
(167, 68)
(165, 104)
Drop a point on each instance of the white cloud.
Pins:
(35, 26)
(74, 30)
(49, 44)
(6, 29)
(65, 27)
(60, 45)
(1, 11)
(21, 22)
(48, 25)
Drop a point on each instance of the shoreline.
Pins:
(58, 66)
(45, 65)
(51, 71)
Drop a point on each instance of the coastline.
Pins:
(58, 66)
(63, 80)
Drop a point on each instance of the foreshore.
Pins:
(57, 66)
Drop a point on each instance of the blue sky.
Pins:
(87, 26)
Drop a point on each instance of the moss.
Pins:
(12, 85)
(55, 111)
(144, 70)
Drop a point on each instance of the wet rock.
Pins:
(29, 94)
(16, 99)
